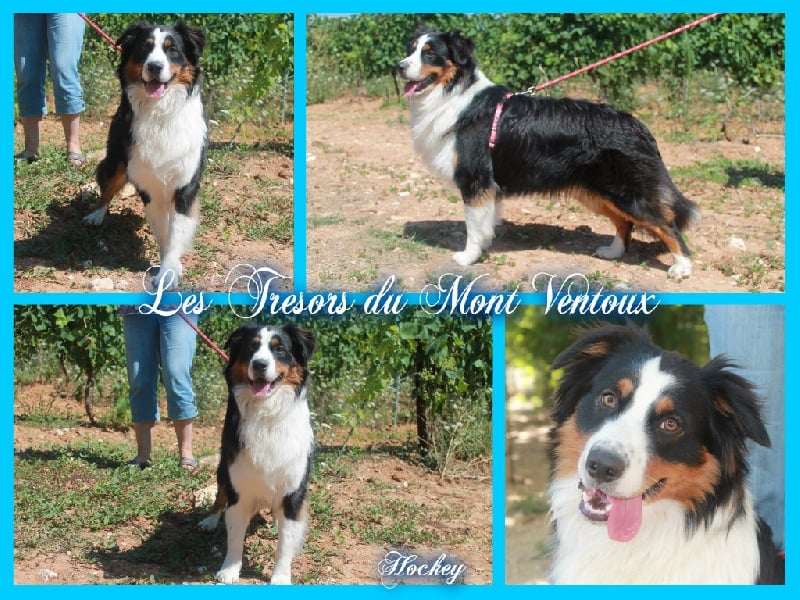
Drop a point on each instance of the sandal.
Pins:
(28, 157)
(188, 464)
(76, 158)
(138, 462)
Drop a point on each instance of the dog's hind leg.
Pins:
(111, 178)
(480, 216)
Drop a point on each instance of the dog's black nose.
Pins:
(604, 465)
(402, 66)
(259, 366)
(154, 67)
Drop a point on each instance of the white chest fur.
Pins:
(168, 136)
(433, 118)
(277, 436)
(660, 553)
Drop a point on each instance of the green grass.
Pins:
(733, 173)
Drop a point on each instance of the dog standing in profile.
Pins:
(493, 144)
(158, 137)
(267, 442)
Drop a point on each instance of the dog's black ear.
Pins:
(129, 35)
(303, 343)
(461, 48)
(421, 29)
(195, 40)
(583, 359)
(234, 343)
(736, 413)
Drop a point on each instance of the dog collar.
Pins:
(498, 110)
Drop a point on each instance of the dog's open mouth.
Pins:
(155, 88)
(622, 515)
(416, 87)
(261, 388)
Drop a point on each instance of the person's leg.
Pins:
(178, 344)
(72, 135)
(65, 43)
(142, 359)
(30, 65)
(753, 337)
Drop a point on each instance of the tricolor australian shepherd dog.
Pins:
(649, 467)
(158, 138)
(606, 159)
(267, 442)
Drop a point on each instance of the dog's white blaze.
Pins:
(414, 60)
(264, 354)
(626, 435)
(434, 113)
(157, 55)
(662, 551)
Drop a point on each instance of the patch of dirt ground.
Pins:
(374, 211)
(460, 506)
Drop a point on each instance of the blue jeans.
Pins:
(753, 337)
(37, 38)
(152, 341)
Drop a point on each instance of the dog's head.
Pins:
(435, 58)
(264, 358)
(155, 58)
(636, 424)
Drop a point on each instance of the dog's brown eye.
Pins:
(608, 400)
(670, 425)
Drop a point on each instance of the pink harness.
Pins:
(498, 110)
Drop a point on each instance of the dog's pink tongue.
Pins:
(410, 87)
(624, 518)
(155, 89)
(260, 388)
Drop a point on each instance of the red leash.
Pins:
(204, 337)
(614, 57)
(534, 89)
(102, 33)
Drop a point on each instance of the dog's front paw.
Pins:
(229, 574)
(95, 218)
(467, 257)
(280, 579)
(167, 277)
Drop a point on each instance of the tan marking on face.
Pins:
(132, 73)
(570, 444)
(238, 372)
(625, 386)
(665, 405)
(687, 484)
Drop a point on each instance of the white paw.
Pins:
(96, 217)
(680, 270)
(209, 523)
(229, 574)
(281, 579)
(467, 257)
(167, 277)
(613, 251)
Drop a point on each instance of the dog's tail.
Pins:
(687, 213)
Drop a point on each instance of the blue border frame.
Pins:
(301, 9)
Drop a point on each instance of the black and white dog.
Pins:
(648, 481)
(158, 137)
(606, 159)
(267, 442)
